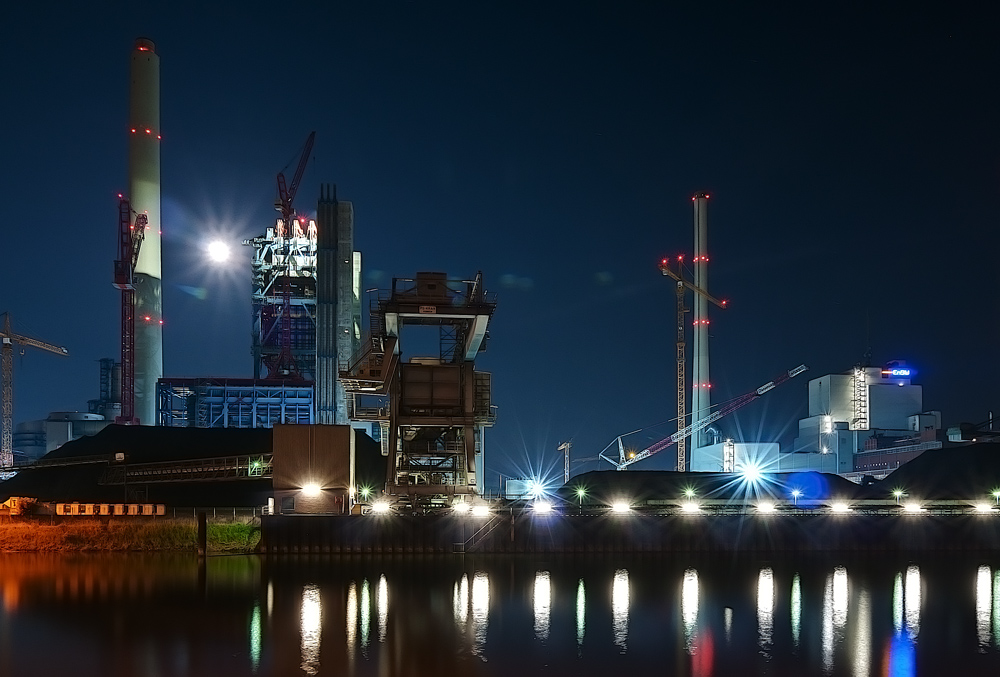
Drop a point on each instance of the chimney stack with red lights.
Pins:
(701, 400)
(144, 193)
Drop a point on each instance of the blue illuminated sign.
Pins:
(895, 372)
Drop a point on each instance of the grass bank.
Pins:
(125, 536)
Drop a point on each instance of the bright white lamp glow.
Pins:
(380, 507)
(542, 507)
(621, 507)
(312, 489)
(462, 507)
(218, 251)
(840, 507)
(984, 507)
(480, 510)
(751, 472)
(765, 507)
(691, 507)
(914, 507)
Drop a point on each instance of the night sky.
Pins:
(852, 158)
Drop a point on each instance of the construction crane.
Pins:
(627, 459)
(565, 448)
(285, 362)
(683, 284)
(130, 236)
(9, 338)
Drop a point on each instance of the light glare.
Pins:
(621, 507)
(218, 251)
(312, 490)
(380, 507)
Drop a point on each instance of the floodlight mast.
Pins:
(729, 407)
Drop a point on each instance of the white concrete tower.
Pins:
(701, 399)
(144, 193)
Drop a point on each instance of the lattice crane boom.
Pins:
(625, 460)
(8, 339)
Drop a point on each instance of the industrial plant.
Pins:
(346, 410)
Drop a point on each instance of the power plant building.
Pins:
(867, 421)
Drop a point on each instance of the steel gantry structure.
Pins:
(9, 338)
(627, 459)
(683, 284)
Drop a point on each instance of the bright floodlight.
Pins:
(535, 488)
(218, 251)
(480, 510)
(984, 507)
(751, 473)
(765, 507)
(796, 493)
(689, 492)
(620, 507)
(380, 507)
(691, 507)
(462, 507)
(840, 507)
(542, 507)
(581, 492)
(914, 507)
(311, 489)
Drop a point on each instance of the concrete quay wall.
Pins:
(568, 534)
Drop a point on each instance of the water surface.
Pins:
(525, 615)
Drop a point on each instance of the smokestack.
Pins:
(144, 193)
(701, 399)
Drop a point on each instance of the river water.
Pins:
(159, 615)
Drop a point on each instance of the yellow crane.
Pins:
(9, 338)
(683, 284)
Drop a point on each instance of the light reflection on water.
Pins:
(984, 606)
(765, 611)
(796, 610)
(311, 623)
(689, 608)
(864, 622)
(619, 609)
(911, 601)
(351, 622)
(480, 611)
(382, 605)
(542, 599)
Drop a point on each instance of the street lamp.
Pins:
(795, 496)
(580, 493)
(898, 493)
(996, 495)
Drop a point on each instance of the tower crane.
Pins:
(625, 460)
(130, 236)
(285, 360)
(9, 338)
(683, 284)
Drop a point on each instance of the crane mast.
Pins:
(130, 236)
(625, 460)
(285, 362)
(8, 339)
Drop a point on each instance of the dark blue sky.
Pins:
(852, 157)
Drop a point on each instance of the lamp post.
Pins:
(795, 496)
(898, 493)
(996, 495)
(580, 493)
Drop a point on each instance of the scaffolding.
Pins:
(283, 301)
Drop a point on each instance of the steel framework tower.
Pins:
(433, 411)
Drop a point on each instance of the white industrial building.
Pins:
(867, 421)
